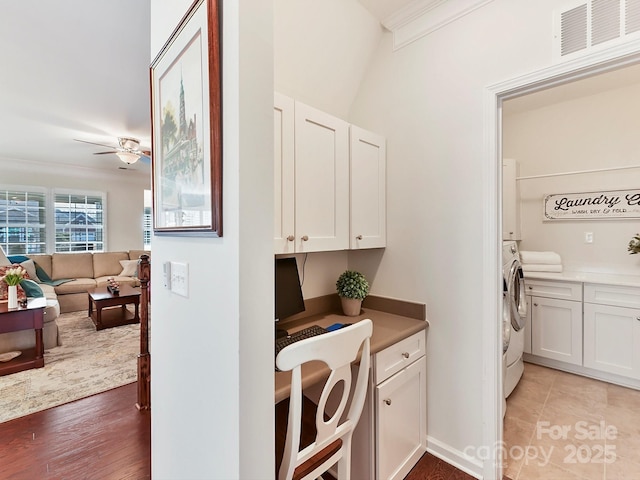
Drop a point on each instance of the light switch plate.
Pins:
(180, 278)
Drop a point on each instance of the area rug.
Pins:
(87, 362)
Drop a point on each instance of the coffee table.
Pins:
(27, 318)
(102, 300)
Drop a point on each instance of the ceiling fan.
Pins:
(128, 149)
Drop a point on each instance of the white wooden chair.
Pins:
(338, 349)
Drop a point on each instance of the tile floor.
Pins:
(562, 426)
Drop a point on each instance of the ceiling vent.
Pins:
(583, 26)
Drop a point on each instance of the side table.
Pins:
(27, 318)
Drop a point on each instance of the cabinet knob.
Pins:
(535, 304)
(305, 238)
(359, 237)
(387, 401)
(530, 287)
(638, 318)
(405, 354)
(291, 238)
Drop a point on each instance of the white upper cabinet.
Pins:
(322, 180)
(329, 181)
(510, 200)
(284, 168)
(368, 189)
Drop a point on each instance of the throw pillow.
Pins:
(129, 268)
(4, 261)
(31, 288)
(30, 267)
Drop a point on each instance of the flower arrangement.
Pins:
(352, 285)
(634, 244)
(13, 276)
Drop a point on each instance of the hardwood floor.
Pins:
(105, 437)
(99, 437)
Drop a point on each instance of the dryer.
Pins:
(515, 306)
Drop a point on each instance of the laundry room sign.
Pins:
(612, 204)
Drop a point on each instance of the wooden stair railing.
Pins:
(144, 358)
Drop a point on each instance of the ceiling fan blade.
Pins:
(104, 153)
(93, 143)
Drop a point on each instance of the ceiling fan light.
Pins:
(128, 157)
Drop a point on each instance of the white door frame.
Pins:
(588, 65)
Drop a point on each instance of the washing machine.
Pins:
(515, 306)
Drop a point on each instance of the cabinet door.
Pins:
(283, 142)
(401, 426)
(612, 339)
(321, 181)
(557, 329)
(368, 189)
(510, 200)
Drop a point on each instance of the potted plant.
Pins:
(352, 288)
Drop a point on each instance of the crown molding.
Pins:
(422, 17)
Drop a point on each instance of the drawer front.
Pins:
(394, 358)
(553, 289)
(619, 296)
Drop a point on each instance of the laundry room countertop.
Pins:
(587, 277)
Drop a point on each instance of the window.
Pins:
(147, 227)
(23, 221)
(79, 222)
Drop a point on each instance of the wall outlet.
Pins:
(180, 278)
(588, 237)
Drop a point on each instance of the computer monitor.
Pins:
(288, 292)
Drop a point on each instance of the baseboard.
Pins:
(454, 457)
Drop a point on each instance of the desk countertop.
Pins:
(387, 330)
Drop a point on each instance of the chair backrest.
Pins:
(338, 349)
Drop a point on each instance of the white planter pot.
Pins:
(13, 296)
(351, 306)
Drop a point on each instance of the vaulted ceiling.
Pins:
(80, 70)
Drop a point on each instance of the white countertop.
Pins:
(587, 277)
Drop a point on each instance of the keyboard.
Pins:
(308, 332)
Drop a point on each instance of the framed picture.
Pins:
(186, 127)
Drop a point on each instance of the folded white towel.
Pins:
(545, 258)
(540, 267)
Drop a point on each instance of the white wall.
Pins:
(427, 99)
(593, 132)
(212, 357)
(322, 50)
(125, 194)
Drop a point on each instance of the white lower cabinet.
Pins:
(401, 411)
(593, 327)
(612, 329)
(556, 329)
(392, 433)
(612, 339)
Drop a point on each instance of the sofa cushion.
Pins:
(43, 263)
(108, 263)
(72, 265)
(135, 254)
(78, 285)
(103, 281)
